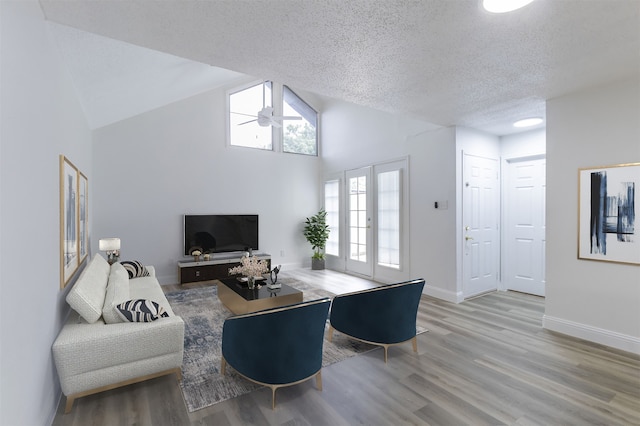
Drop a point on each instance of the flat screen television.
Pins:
(220, 233)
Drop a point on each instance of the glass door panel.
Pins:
(359, 221)
(332, 207)
(389, 219)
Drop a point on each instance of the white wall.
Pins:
(355, 136)
(525, 144)
(40, 119)
(599, 301)
(433, 231)
(151, 169)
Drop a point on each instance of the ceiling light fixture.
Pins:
(528, 122)
(503, 6)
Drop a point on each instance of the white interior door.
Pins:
(480, 213)
(525, 226)
(359, 222)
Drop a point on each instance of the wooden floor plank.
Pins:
(485, 361)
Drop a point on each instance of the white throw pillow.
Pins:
(117, 292)
(88, 293)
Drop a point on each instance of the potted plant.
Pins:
(316, 231)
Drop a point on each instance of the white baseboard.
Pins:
(168, 279)
(593, 334)
(438, 293)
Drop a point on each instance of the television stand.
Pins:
(217, 268)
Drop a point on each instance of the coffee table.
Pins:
(240, 300)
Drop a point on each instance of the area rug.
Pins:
(203, 314)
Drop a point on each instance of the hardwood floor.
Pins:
(484, 361)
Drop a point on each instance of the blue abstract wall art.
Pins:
(608, 210)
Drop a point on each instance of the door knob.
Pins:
(468, 238)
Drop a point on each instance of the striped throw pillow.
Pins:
(141, 310)
(135, 269)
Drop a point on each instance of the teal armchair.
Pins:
(277, 347)
(383, 316)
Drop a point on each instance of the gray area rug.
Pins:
(203, 314)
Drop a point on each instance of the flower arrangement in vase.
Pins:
(196, 255)
(251, 267)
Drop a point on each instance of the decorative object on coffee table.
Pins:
(316, 231)
(273, 278)
(251, 282)
(250, 267)
(240, 299)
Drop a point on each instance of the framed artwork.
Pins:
(69, 256)
(83, 216)
(608, 212)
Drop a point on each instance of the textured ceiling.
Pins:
(445, 62)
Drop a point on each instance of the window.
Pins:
(244, 129)
(272, 117)
(332, 207)
(300, 136)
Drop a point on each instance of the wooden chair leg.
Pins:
(223, 366)
(69, 405)
(330, 333)
(415, 344)
(319, 380)
(273, 397)
(386, 353)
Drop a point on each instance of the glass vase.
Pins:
(251, 283)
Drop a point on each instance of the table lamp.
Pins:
(112, 247)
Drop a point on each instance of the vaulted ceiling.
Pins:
(444, 62)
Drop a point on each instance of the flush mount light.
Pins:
(528, 122)
(503, 6)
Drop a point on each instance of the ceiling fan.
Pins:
(265, 116)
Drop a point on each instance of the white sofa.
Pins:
(97, 350)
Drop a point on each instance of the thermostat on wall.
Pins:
(441, 205)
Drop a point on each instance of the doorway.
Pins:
(376, 241)
(525, 225)
(358, 219)
(480, 211)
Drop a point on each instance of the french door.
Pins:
(359, 220)
(376, 214)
